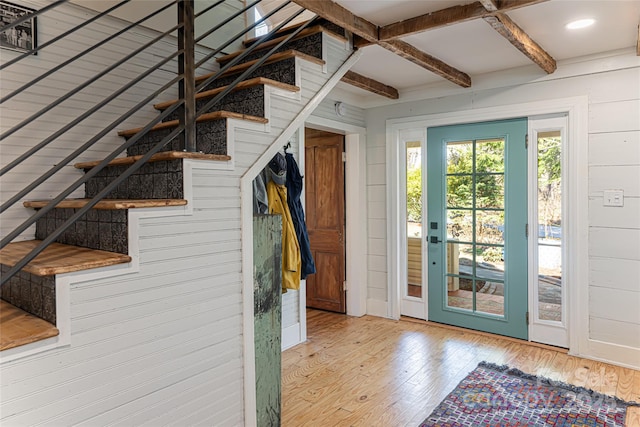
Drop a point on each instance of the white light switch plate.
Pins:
(613, 198)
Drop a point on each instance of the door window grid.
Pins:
(475, 196)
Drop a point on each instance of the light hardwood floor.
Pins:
(371, 371)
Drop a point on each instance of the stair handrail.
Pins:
(131, 141)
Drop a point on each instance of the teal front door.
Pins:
(477, 226)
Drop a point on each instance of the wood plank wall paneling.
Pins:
(614, 163)
(22, 106)
(163, 345)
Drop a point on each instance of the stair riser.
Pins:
(211, 138)
(280, 71)
(310, 45)
(246, 101)
(156, 180)
(97, 229)
(31, 293)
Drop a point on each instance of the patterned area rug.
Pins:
(498, 396)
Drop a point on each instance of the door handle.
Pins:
(434, 239)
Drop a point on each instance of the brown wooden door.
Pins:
(324, 183)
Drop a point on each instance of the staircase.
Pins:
(135, 312)
(155, 267)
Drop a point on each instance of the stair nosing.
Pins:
(203, 118)
(158, 157)
(108, 204)
(304, 33)
(256, 81)
(59, 252)
(276, 57)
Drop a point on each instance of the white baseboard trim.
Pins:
(377, 308)
(291, 336)
(628, 357)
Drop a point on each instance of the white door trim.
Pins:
(577, 185)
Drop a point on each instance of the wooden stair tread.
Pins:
(106, 204)
(272, 42)
(203, 118)
(158, 157)
(287, 54)
(58, 258)
(17, 327)
(257, 81)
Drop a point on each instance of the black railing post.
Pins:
(186, 68)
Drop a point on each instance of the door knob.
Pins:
(434, 239)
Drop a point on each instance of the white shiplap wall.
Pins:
(163, 343)
(612, 84)
(51, 24)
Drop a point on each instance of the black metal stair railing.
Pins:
(184, 55)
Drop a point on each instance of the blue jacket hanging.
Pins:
(294, 190)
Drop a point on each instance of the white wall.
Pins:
(612, 84)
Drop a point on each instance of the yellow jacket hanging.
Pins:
(291, 262)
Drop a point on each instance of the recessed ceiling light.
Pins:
(580, 23)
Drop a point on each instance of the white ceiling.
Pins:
(475, 48)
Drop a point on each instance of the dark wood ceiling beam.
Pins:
(342, 17)
(429, 21)
(371, 85)
(521, 40)
(424, 60)
(448, 16)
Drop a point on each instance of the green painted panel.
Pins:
(267, 293)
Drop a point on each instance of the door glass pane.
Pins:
(460, 157)
(460, 225)
(414, 219)
(490, 156)
(460, 191)
(489, 262)
(490, 297)
(460, 259)
(490, 227)
(550, 226)
(490, 191)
